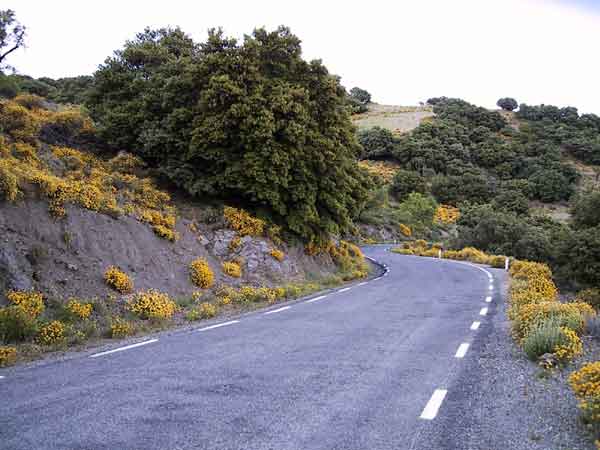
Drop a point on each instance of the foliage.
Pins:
(446, 214)
(420, 208)
(590, 296)
(507, 103)
(544, 338)
(251, 121)
(406, 182)
(277, 254)
(51, 333)
(577, 256)
(8, 355)
(118, 280)
(242, 222)
(120, 328)
(16, 324)
(376, 142)
(382, 171)
(203, 311)
(12, 34)
(201, 273)
(79, 309)
(585, 383)
(29, 301)
(152, 304)
(360, 95)
(232, 269)
(586, 210)
(405, 230)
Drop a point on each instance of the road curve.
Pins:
(370, 367)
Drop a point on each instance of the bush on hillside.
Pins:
(255, 122)
(586, 210)
(406, 182)
(507, 103)
(376, 142)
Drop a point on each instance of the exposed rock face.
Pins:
(68, 257)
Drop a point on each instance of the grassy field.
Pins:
(397, 119)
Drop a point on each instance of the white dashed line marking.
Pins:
(1, 376)
(488, 299)
(462, 350)
(219, 325)
(491, 287)
(120, 349)
(378, 278)
(433, 405)
(362, 284)
(483, 311)
(344, 290)
(278, 310)
(475, 325)
(316, 298)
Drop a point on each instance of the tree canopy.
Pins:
(12, 34)
(249, 121)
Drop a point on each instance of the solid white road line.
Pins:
(344, 290)
(278, 310)
(488, 299)
(316, 298)
(1, 376)
(462, 350)
(433, 405)
(483, 311)
(475, 325)
(362, 284)
(120, 349)
(219, 325)
(378, 278)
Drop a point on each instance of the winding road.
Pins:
(380, 364)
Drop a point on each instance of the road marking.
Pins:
(120, 349)
(278, 310)
(483, 311)
(488, 299)
(378, 278)
(344, 290)
(433, 405)
(219, 325)
(362, 284)
(462, 350)
(491, 287)
(1, 376)
(316, 298)
(475, 325)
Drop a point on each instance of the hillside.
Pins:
(101, 246)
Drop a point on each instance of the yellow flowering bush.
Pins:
(446, 214)
(405, 230)
(585, 383)
(234, 244)
(277, 254)
(232, 269)
(572, 347)
(384, 170)
(120, 328)
(207, 311)
(8, 355)
(152, 304)
(29, 301)
(9, 184)
(201, 273)
(571, 315)
(242, 222)
(51, 333)
(165, 233)
(118, 280)
(80, 310)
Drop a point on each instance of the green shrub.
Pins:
(543, 338)
(16, 324)
(406, 182)
(590, 296)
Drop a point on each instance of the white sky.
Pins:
(402, 51)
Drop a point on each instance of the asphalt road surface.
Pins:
(373, 366)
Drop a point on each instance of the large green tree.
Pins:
(250, 121)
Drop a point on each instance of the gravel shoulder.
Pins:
(505, 402)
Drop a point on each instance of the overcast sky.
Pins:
(402, 51)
